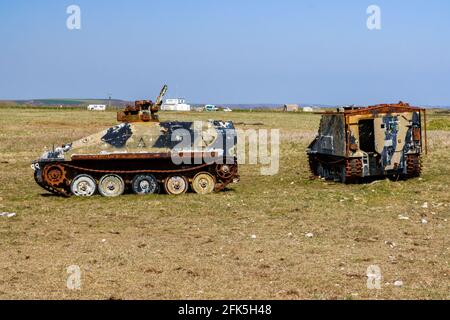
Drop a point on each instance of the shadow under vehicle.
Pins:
(354, 143)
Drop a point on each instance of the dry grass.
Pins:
(199, 247)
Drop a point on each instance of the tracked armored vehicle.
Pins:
(361, 142)
(143, 155)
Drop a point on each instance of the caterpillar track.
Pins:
(62, 182)
(413, 166)
(353, 170)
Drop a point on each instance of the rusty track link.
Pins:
(353, 169)
(413, 165)
(58, 191)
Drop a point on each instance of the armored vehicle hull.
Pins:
(143, 155)
(377, 141)
(141, 163)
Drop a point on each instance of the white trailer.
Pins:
(96, 107)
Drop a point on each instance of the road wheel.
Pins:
(83, 186)
(176, 185)
(203, 183)
(111, 185)
(145, 184)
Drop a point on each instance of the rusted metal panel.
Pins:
(425, 129)
(125, 156)
(331, 139)
(120, 156)
(142, 110)
(376, 109)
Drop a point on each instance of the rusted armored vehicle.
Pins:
(377, 141)
(143, 155)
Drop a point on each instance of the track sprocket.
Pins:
(54, 174)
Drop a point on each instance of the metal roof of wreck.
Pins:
(375, 109)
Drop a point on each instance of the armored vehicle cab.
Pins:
(143, 155)
(376, 141)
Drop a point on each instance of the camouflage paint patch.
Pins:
(118, 136)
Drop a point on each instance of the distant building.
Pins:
(290, 108)
(175, 105)
(308, 109)
(96, 107)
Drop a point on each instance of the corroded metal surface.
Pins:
(139, 146)
(143, 110)
(356, 142)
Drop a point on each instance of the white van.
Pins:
(96, 107)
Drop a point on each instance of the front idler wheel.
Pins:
(203, 183)
(176, 185)
(83, 186)
(111, 185)
(145, 184)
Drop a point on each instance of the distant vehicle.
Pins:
(226, 109)
(308, 109)
(175, 105)
(96, 107)
(211, 107)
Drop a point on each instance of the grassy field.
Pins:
(246, 242)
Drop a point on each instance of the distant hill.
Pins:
(67, 102)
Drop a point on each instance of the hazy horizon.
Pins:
(235, 105)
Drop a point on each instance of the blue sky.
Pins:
(234, 51)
